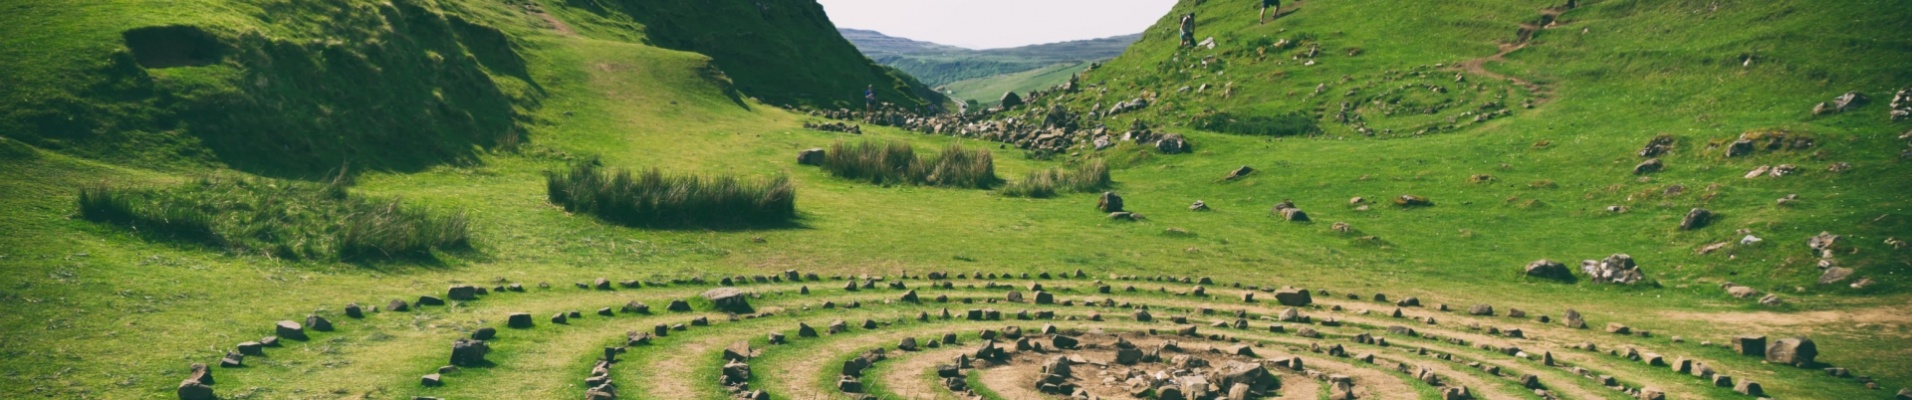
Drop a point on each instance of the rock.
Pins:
(738, 351)
(1548, 269)
(1617, 268)
(290, 330)
(200, 373)
(1750, 345)
(1770, 300)
(1481, 309)
(1239, 173)
(1109, 202)
(635, 307)
(1011, 100)
(1749, 388)
(1695, 219)
(462, 292)
(1649, 166)
(810, 156)
(318, 323)
(252, 349)
(398, 305)
(1408, 200)
(678, 306)
(1849, 101)
(1796, 351)
(518, 320)
(1834, 275)
(485, 333)
(1294, 215)
(1741, 147)
(194, 390)
(1173, 143)
(430, 301)
(1293, 297)
(729, 299)
(353, 310)
(1198, 205)
(1618, 329)
(467, 353)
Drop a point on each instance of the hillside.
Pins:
(988, 91)
(401, 199)
(938, 64)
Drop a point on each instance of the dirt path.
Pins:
(1526, 34)
(902, 374)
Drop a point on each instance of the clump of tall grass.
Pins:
(656, 199)
(1089, 177)
(896, 162)
(283, 219)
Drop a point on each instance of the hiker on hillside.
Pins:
(1188, 30)
(869, 99)
(1267, 5)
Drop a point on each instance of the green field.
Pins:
(989, 91)
(462, 107)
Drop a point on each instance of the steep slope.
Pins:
(1533, 116)
(300, 90)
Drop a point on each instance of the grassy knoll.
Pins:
(988, 91)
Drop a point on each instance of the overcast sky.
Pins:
(984, 24)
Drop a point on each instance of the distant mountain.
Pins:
(939, 64)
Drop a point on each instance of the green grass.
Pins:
(96, 311)
(655, 199)
(1090, 176)
(896, 163)
(277, 219)
(988, 91)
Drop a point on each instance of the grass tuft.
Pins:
(292, 220)
(656, 199)
(895, 162)
(1088, 177)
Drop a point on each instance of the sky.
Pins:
(986, 24)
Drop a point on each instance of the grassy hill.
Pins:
(988, 91)
(462, 107)
(938, 64)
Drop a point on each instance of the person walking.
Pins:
(1267, 5)
(869, 99)
(1188, 30)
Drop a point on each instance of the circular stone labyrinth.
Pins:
(975, 336)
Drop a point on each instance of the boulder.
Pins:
(398, 305)
(462, 292)
(290, 330)
(1198, 205)
(810, 156)
(1293, 297)
(518, 320)
(200, 373)
(1649, 166)
(1548, 269)
(318, 323)
(194, 390)
(467, 353)
(729, 299)
(1750, 345)
(1695, 219)
(1480, 309)
(1239, 173)
(1172, 144)
(1011, 100)
(1109, 202)
(1796, 351)
(1617, 268)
